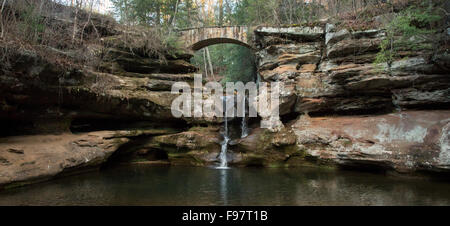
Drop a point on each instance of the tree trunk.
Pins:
(210, 64)
(1, 19)
(172, 22)
(158, 14)
(188, 8)
(220, 12)
(3, 6)
(303, 12)
(41, 5)
(338, 6)
(211, 17)
(74, 33)
(204, 63)
(88, 20)
(203, 5)
(126, 16)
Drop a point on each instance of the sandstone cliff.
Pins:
(338, 108)
(352, 112)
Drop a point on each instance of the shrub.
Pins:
(409, 30)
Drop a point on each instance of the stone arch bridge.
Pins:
(197, 38)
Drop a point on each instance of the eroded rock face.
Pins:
(404, 142)
(129, 87)
(198, 146)
(324, 71)
(30, 159)
(265, 148)
(342, 79)
(333, 71)
(48, 97)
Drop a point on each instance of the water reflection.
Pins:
(223, 186)
(149, 185)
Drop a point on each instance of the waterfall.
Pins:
(226, 139)
(258, 80)
(244, 130)
(223, 151)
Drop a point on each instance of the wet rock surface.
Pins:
(363, 115)
(31, 159)
(60, 121)
(403, 142)
(337, 108)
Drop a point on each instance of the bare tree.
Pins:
(75, 20)
(173, 19)
(210, 63)
(175, 13)
(220, 12)
(41, 5)
(88, 20)
(158, 13)
(1, 19)
(204, 62)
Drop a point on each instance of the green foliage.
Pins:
(409, 30)
(275, 12)
(231, 62)
(190, 13)
(156, 12)
(187, 14)
(172, 44)
(31, 23)
(385, 55)
(240, 64)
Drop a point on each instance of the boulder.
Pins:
(31, 159)
(197, 146)
(265, 148)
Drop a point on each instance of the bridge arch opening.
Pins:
(225, 60)
(230, 53)
(214, 41)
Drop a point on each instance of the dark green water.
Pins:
(150, 185)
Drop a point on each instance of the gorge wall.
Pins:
(59, 120)
(337, 109)
(355, 113)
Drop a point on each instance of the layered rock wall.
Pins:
(337, 108)
(352, 112)
(331, 71)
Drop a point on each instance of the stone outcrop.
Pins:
(337, 108)
(270, 149)
(405, 142)
(402, 107)
(84, 94)
(198, 146)
(59, 120)
(333, 72)
(402, 142)
(31, 159)
(35, 158)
